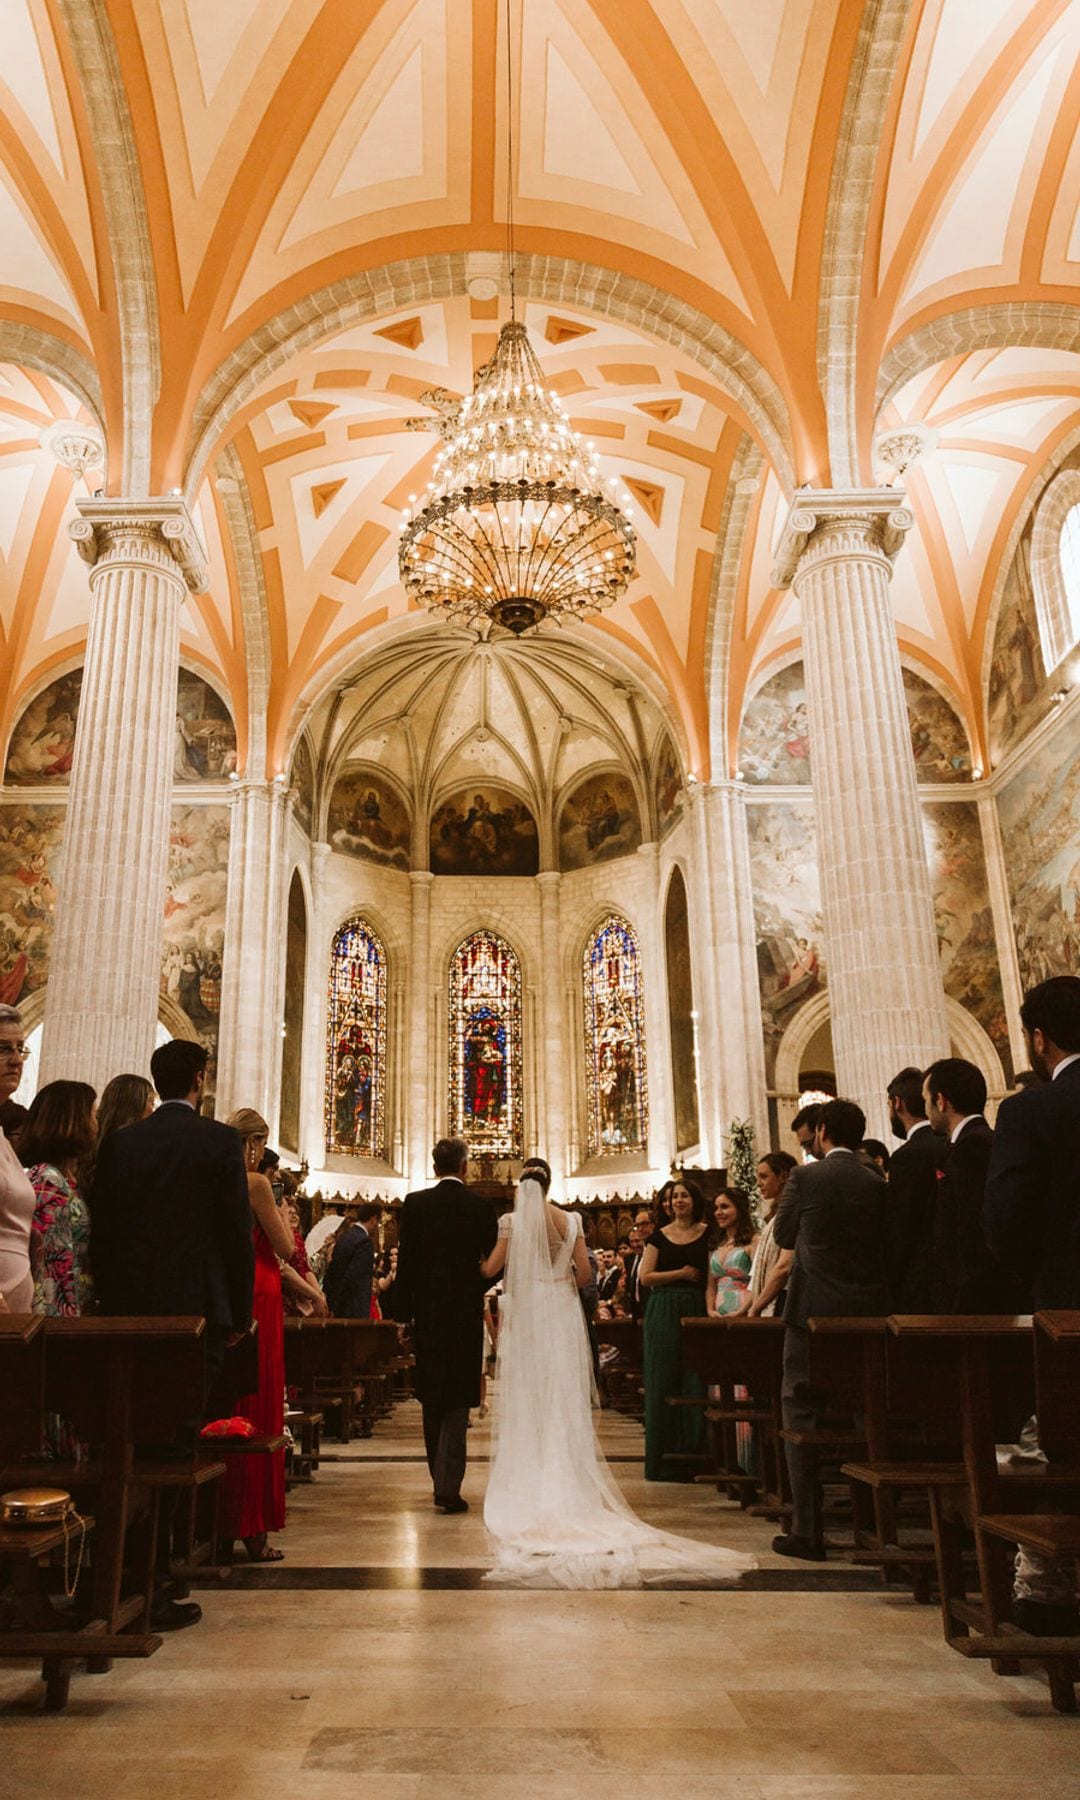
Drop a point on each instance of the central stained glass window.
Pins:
(485, 1046)
(615, 1083)
(356, 1043)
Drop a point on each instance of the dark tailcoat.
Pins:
(446, 1232)
(832, 1215)
(910, 1221)
(1032, 1207)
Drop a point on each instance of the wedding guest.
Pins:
(674, 1269)
(253, 1492)
(319, 1242)
(301, 1295)
(727, 1289)
(804, 1125)
(124, 1101)
(911, 1220)
(16, 1194)
(969, 1277)
(875, 1154)
(770, 1267)
(351, 1272)
(58, 1143)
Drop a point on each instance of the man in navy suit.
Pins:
(970, 1279)
(352, 1267)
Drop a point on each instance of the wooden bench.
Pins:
(731, 1354)
(330, 1360)
(622, 1383)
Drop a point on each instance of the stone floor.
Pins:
(372, 1662)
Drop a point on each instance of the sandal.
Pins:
(266, 1553)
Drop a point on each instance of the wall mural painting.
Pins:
(1019, 692)
(1040, 823)
(938, 739)
(774, 745)
(965, 920)
(485, 1046)
(194, 936)
(600, 820)
(30, 840)
(668, 788)
(43, 742)
(787, 914)
(369, 819)
(302, 783)
(484, 830)
(356, 1043)
(615, 1076)
(681, 1013)
(205, 747)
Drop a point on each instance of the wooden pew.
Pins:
(328, 1360)
(623, 1383)
(742, 1353)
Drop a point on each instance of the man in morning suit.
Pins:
(446, 1233)
(1032, 1223)
(913, 1197)
(832, 1215)
(969, 1278)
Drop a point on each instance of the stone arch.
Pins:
(723, 589)
(1052, 609)
(965, 1033)
(36, 349)
(1044, 324)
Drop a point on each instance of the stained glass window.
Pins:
(356, 1043)
(485, 1046)
(615, 1082)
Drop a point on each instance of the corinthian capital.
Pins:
(141, 531)
(855, 520)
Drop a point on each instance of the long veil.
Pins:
(553, 1509)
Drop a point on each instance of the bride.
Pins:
(552, 1506)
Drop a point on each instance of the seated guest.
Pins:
(674, 1269)
(253, 1498)
(124, 1101)
(911, 1221)
(58, 1143)
(727, 1289)
(351, 1273)
(969, 1277)
(769, 1269)
(301, 1295)
(16, 1193)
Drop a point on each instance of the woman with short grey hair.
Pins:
(16, 1193)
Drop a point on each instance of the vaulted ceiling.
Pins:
(242, 236)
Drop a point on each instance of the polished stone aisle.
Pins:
(372, 1662)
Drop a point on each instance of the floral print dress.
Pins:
(59, 1245)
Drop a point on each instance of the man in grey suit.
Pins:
(832, 1214)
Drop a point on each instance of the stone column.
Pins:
(105, 970)
(420, 1080)
(661, 1136)
(732, 1071)
(886, 995)
(313, 1115)
(551, 1137)
(249, 1045)
(1012, 988)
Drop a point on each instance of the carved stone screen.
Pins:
(356, 1043)
(615, 1079)
(485, 1046)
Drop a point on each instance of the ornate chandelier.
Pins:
(519, 525)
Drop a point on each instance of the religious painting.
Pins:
(30, 841)
(774, 744)
(1019, 693)
(965, 920)
(600, 820)
(667, 787)
(368, 818)
(485, 1046)
(787, 914)
(938, 739)
(292, 1048)
(615, 1077)
(484, 830)
(196, 886)
(356, 1043)
(1039, 808)
(680, 989)
(302, 783)
(43, 742)
(205, 746)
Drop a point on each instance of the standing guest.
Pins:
(301, 1295)
(319, 1242)
(635, 1297)
(1032, 1220)
(58, 1143)
(804, 1125)
(969, 1278)
(16, 1194)
(727, 1289)
(875, 1154)
(911, 1221)
(253, 1498)
(771, 1265)
(351, 1272)
(609, 1276)
(124, 1101)
(832, 1215)
(1025, 1078)
(674, 1270)
(385, 1276)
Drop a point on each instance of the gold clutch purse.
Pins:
(35, 1506)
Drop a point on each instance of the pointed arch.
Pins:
(356, 1038)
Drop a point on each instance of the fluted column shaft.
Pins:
(312, 1117)
(249, 1047)
(732, 1072)
(105, 971)
(1012, 988)
(886, 995)
(420, 1070)
(551, 1136)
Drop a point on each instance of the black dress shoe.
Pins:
(1041, 1620)
(787, 1544)
(172, 1615)
(455, 1505)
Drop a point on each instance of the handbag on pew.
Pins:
(48, 1506)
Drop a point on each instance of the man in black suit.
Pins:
(352, 1267)
(832, 1215)
(446, 1233)
(913, 1197)
(1032, 1222)
(969, 1278)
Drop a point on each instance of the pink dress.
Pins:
(17, 1202)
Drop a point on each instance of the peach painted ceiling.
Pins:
(240, 233)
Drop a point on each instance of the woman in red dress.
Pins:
(253, 1501)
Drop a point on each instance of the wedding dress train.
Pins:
(552, 1507)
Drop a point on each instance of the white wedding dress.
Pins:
(552, 1507)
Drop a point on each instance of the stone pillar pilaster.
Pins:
(313, 1101)
(552, 1136)
(105, 971)
(420, 1079)
(732, 1063)
(886, 996)
(661, 1137)
(1012, 987)
(249, 1046)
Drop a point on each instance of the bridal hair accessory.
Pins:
(48, 1506)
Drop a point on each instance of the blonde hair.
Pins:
(248, 1123)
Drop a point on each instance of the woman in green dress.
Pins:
(674, 1270)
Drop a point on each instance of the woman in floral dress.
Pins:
(58, 1140)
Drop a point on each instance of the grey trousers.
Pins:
(800, 1414)
(445, 1431)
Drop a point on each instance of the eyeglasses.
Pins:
(15, 1050)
